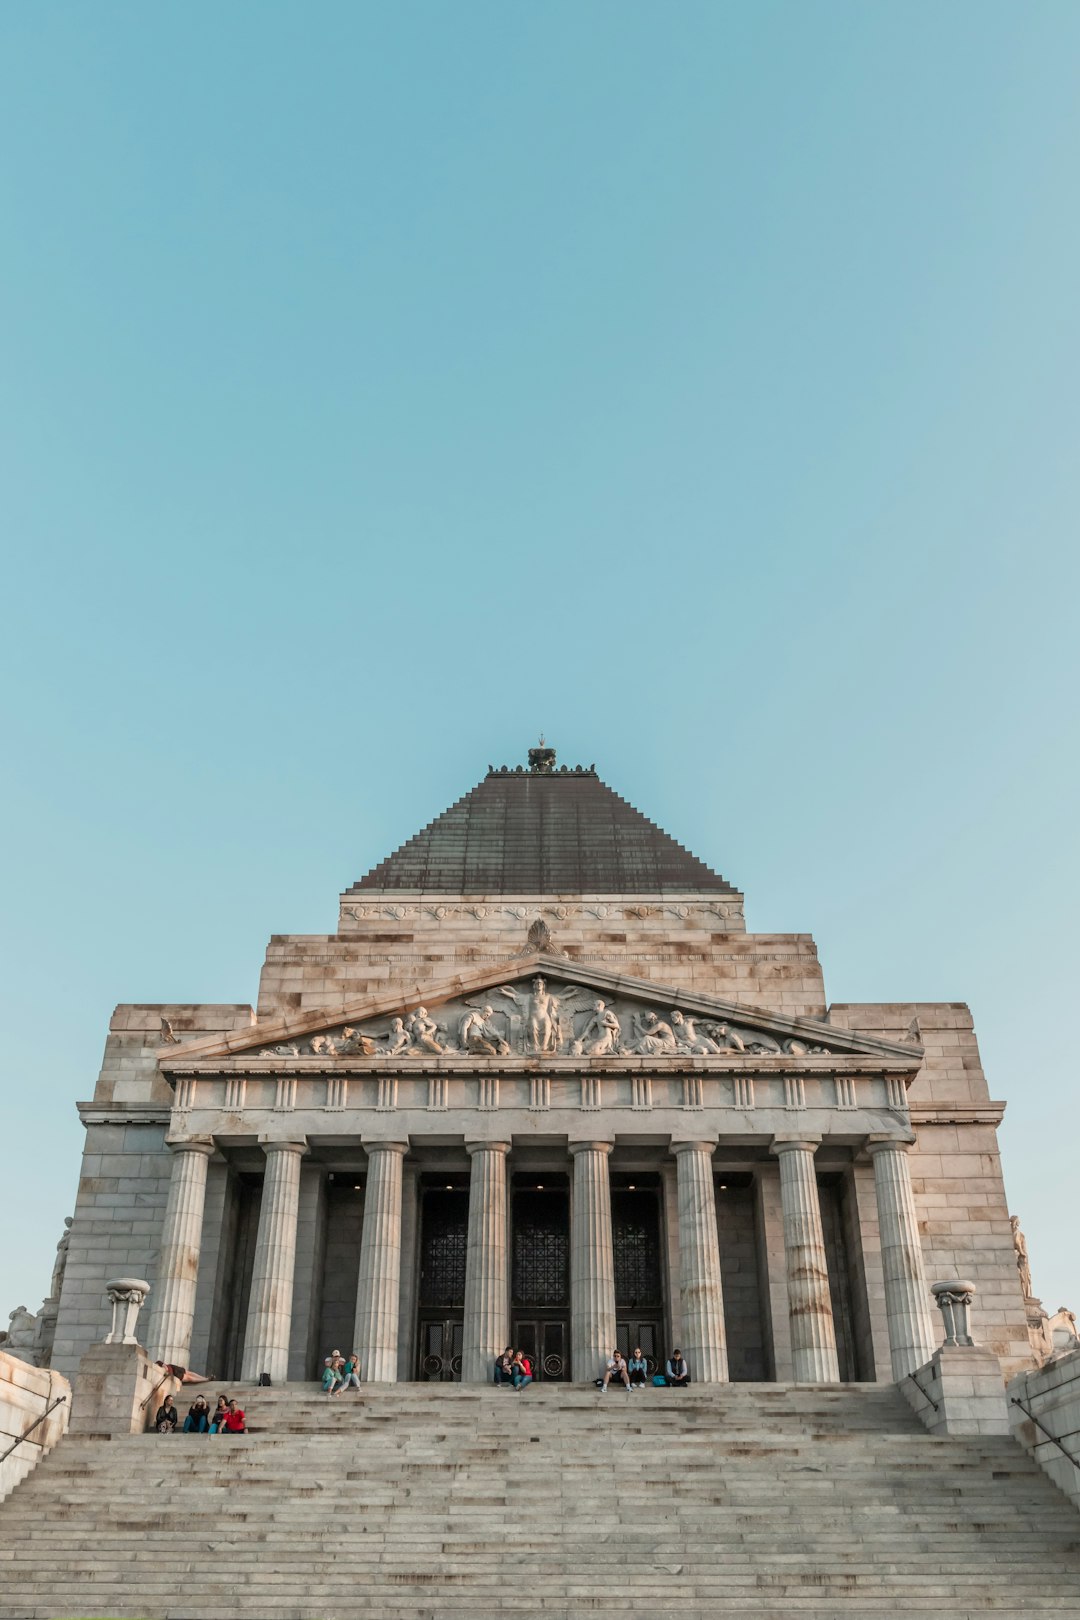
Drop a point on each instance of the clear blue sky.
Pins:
(380, 385)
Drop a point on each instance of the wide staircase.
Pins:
(434, 1501)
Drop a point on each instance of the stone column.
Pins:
(172, 1313)
(269, 1319)
(592, 1261)
(487, 1281)
(375, 1338)
(704, 1343)
(907, 1300)
(813, 1337)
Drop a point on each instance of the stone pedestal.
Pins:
(118, 1390)
(592, 1261)
(269, 1322)
(375, 1338)
(907, 1299)
(487, 1282)
(959, 1391)
(172, 1310)
(813, 1337)
(704, 1342)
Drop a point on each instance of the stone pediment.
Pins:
(536, 1008)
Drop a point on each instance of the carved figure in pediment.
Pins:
(287, 1049)
(761, 1044)
(724, 1038)
(397, 1039)
(354, 1041)
(424, 1032)
(601, 1035)
(477, 1032)
(651, 1036)
(323, 1046)
(687, 1037)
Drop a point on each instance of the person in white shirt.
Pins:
(616, 1368)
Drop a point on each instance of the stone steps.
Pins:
(441, 1501)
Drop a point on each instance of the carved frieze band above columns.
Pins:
(813, 1335)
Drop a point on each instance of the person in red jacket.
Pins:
(234, 1420)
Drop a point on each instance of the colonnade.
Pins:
(592, 1267)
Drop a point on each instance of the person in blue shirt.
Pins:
(638, 1368)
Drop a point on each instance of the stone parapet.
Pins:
(26, 1393)
(1044, 1411)
(118, 1390)
(959, 1391)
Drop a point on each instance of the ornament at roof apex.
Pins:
(541, 759)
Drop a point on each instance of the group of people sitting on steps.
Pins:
(634, 1374)
(226, 1418)
(515, 1367)
(340, 1372)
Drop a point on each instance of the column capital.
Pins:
(487, 1147)
(386, 1147)
(894, 1144)
(693, 1147)
(278, 1144)
(590, 1147)
(191, 1144)
(789, 1144)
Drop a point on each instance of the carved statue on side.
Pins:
(20, 1340)
(1023, 1264)
(60, 1263)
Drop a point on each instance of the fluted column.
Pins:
(813, 1336)
(173, 1300)
(377, 1308)
(704, 1342)
(592, 1261)
(907, 1299)
(487, 1282)
(269, 1319)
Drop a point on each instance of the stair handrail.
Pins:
(164, 1379)
(59, 1401)
(922, 1391)
(1065, 1452)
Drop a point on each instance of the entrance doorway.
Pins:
(540, 1274)
(444, 1228)
(639, 1272)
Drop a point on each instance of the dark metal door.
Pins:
(440, 1349)
(444, 1223)
(639, 1273)
(540, 1276)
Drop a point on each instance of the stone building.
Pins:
(541, 1086)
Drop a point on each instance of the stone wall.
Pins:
(386, 944)
(25, 1393)
(1053, 1395)
(956, 1172)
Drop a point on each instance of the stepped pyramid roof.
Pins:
(546, 829)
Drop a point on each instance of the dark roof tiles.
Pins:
(536, 832)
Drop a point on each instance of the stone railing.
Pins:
(1044, 1407)
(34, 1403)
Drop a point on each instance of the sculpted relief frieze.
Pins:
(538, 1018)
(398, 911)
